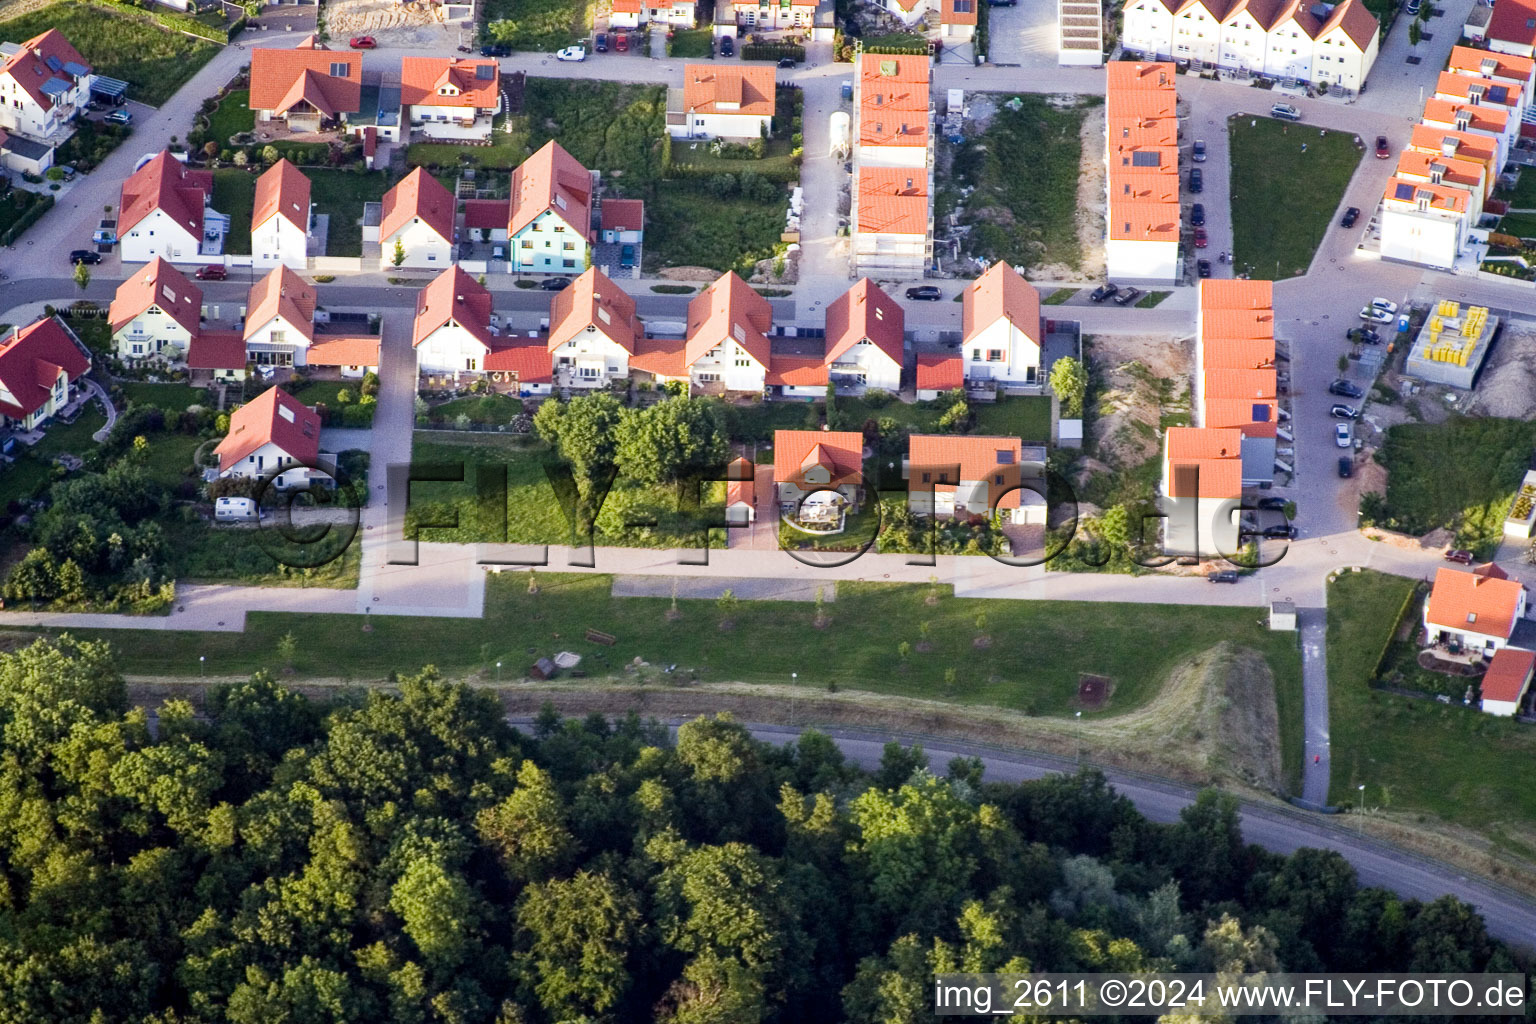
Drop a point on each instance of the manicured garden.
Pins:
(172, 397)
(694, 42)
(1291, 188)
(92, 143)
(546, 25)
(341, 195)
(154, 61)
(232, 117)
(234, 194)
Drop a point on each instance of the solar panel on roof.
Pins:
(1498, 94)
(76, 69)
(485, 72)
(54, 64)
(1145, 158)
(1403, 192)
(1260, 413)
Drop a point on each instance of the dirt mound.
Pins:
(1144, 379)
(1507, 386)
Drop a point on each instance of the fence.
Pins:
(27, 219)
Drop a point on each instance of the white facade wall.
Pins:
(159, 235)
(1021, 354)
(424, 247)
(1431, 239)
(730, 365)
(450, 349)
(1285, 51)
(1147, 28)
(548, 245)
(1501, 708)
(893, 156)
(453, 122)
(148, 335)
(20, 113)
(262, 461)
(1197, 35)
(1243, 42)
(592, 359)
(678, 15)
(1288, 52)
(1336, 59)
(624, 19)
(1135, 260)
(720, 126)
(879, 370)
(279, 335)
(888, 252)
(1206, 527)
(279, 241)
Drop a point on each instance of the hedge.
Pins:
(1397, 621)
(773, 51)
(776, 172)
(28, 218)
(175, 20)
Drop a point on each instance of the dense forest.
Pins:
(411, 858)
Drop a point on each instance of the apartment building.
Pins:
(1142, 181)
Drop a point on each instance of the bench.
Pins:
(597, 636)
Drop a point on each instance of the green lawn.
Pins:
(23, 478)
(232, 116)
(74, 438)
(1523, 195)
(1151, 299)
(1288, 198)
(1521, 225)
(1417, 756)
(1056, 297)
(691, 43)
(1460, 474)
(1026, 418)
(1025, 170)
(341, 194)
(479, 408)
(175, 397)
(1038, 649)
(898, 42)
(508, 148)
(209, 553)
(234, 193)
(154, 61)
(537, 24)
(170, 457)
(97, 334)
(689, 225)
(316, 391)
(608, 126)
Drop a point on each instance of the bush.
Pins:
(773, 51)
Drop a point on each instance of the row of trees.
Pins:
(409, 857)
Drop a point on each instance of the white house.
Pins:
(728, 101)
(550, 220)
(163, 211)
(1001, 328)
(866, 331)
(1141, 156)
(44, 83)
(309, 87)
(416, 219)
(626, 13)
(677, 14)
(155, 314)
(281, 218)
(273, 431)
(727, 346)
(957, 475)
(450, 98)
(765, 15)
(1424, 223)
(1477, 609)
(1201, 490)
(280, 319)
(593, 332)
(39, 365)
(452, 332)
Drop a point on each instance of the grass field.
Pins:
(537, 24)
(691, 43)
(341, 194)
(687, 225)
(234, 193)
(1056, 297)
(1523, 195)
(155, 62)
(1151, 299)
(479, 408)
(1038, 648)
(232, 116)
(1418, 756)
(508, 148)
(1521, 225)
(1288, 197)
(1025, 170)
(163, 396)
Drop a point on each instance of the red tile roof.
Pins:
(30, 360)
(937, 371)
(1440, 197)
(1479, 118)
(623, 215)
(1513, 21)
(980, 458)
(449, 82)
(349, 350)
(1464, 601)
(840, 451)
(1000, 293)
(487, 213)
(662, 357)
(592, 300)
(865, 312)
(1451, 84)
(1220, 293)
(527, 357)
(1509, 671)
(217, 350)
(1237, 354)
(1140, 105)
(166, 184)
(1463, 145)
(740, 477)
(1215, 453)
(453, 296)
(552, 179)
(1472, 61)
(1412, 163)
(1359, 24)
(418, 195)
(162, 285)
(28, 67)
(281, 79)
(893, 200)
(796, 371)
(893, 99)
(728, 309)
(273, 416)
(744, 89)
(282, 191)
(281, 293)
(958, 12)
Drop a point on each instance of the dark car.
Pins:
(1280, 530)
(1457, 555)
(601, 46)
(1345, 388)
(1344, 412)
(1104, 291)
(925, 293)
(727, 46)
(555, 284)
(212, 272)
(1203, 268)
(1196, 180)
(1223, 576)
(1128, 296)
(79, 256)
(1197, 215)
(1198, 155)
(1346, 466)
(787, 62)
(1270, 503)
(1002, 3)
(1383, 151)
(496, 50)
(1362, 335)
(1350, 216)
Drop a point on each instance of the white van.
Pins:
(235, 510)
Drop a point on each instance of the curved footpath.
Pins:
(1510, 915)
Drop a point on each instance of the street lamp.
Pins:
(202, 660)
(1362, 808)
(498, 671)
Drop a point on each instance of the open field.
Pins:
(154, 61)
(690, 43)
(1276, 225)
(544, 25)
(234, 193)
(163, 396)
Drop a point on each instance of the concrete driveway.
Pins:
(1023, 36)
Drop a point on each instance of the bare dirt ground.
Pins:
(1131, 404)
(414, 24)
(1507, 385)
(1090, 205)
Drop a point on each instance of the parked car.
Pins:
(627, 256)
(571, 53)
(1285, 530)
(212, 272)
(555, 284)
(1345, 388)
(1196, 180)
(1223, 576)
(79, 256)
(925, 293)
(1342, 435)
(1201, 239)
(1383, 151)
(496, 50)
(601, 45)
(106, 233)
(1104, 291)
(1350, 216)
(1199, 152)
(1128, 296)
(1203, 268)
(787, 62)
(67, 170)
(1458, 555)
(1197, 215)
(727, 46)
(1363, 336)
(1002, 3)
(119, 117)
(1412, 10)
(1346, 466)
(1285, 112)
(1277, 504)
(1344, 412)
(363, 42)
(1386, 305)
(1371, 314)
(621, 42)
